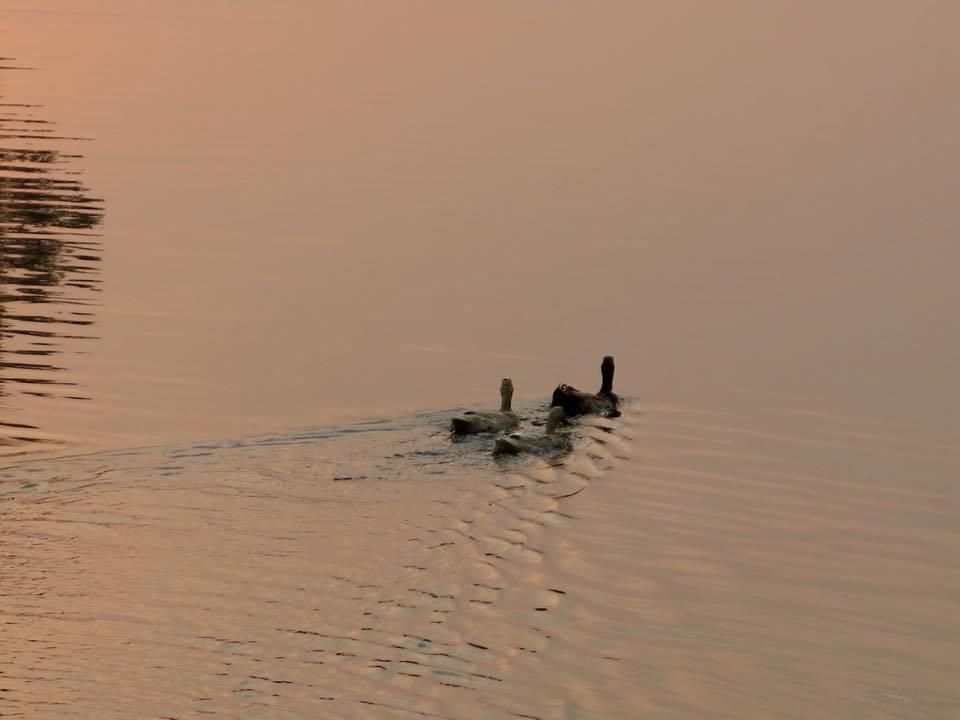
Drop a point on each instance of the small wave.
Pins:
(358, 571)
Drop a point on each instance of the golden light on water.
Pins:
(303, 215)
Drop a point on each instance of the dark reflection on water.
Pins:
(49, 266)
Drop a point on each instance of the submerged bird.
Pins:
(478, 422)
(577, 402)
(516, 443)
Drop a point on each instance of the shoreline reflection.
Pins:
(49, 269)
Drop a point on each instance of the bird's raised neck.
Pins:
(506, 394)
(606, 371)
(557, 415)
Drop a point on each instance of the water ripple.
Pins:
(49, 267)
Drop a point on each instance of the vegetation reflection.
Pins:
(49, 266)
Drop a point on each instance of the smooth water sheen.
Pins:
(318, 212)
(234, 232)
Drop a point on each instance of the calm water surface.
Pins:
(321, 212)
(234, 232)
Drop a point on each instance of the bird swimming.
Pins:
(516, 443)
(473, 421)
(576, 402)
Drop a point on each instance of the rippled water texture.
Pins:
(249, 250)
(49, 263)
(678, 563)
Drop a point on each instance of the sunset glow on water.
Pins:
(255, 256)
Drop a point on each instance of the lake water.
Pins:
(254, 255)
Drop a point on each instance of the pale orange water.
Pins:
(315, 211)
(678, 563)
(225, 223)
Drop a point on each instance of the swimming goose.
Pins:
(577, 402)
(515, 443)
(478, 422)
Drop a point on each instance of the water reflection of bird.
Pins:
(576, 402)
(492, 421)
(551, 440)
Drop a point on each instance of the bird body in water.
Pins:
(516, 443)
(500, 420)
(576, 402)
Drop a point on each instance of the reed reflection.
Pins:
(49, 268)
